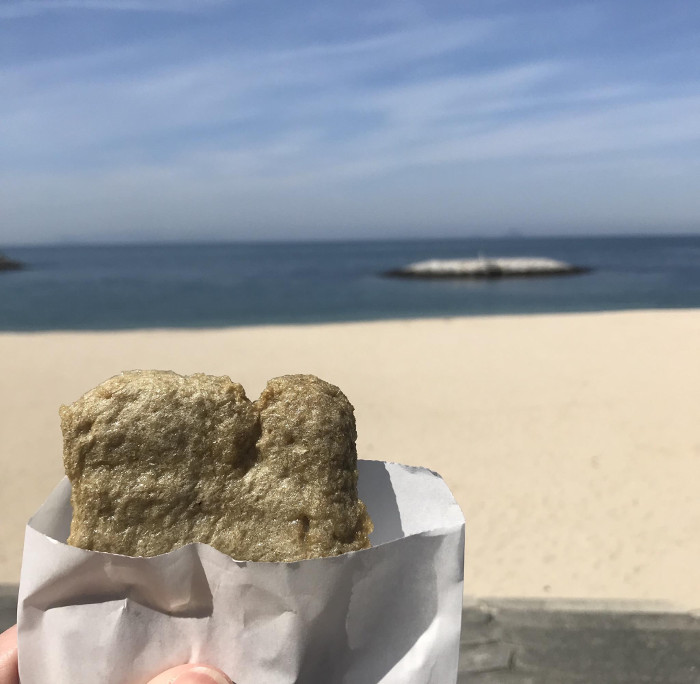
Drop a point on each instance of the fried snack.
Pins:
(157, 460)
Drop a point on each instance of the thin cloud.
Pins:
(380, 120)
(28, 8)
(109, 96)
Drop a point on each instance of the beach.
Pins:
(571, 441)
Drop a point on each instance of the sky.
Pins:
(183, 120)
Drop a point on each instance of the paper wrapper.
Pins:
(388, 614)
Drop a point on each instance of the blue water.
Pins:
(116, 287)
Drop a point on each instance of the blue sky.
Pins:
(124, 120)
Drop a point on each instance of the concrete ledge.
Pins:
(584, 642)
(8, 605)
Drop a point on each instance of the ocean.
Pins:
(230, 284)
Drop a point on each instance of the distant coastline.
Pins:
(7, 264)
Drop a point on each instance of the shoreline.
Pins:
(570, 440)
(349, 322)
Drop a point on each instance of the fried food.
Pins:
(157, 460)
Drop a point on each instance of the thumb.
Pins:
(191, 674)
(8, 657)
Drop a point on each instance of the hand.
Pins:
(8, 657)
(189, 674)
(182, 674)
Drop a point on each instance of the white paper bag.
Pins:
(388, 614)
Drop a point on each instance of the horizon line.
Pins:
(516, 235)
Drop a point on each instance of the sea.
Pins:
(73, 287)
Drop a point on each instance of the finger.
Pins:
(189, 674)
(8, 657)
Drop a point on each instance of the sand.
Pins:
(572, 442)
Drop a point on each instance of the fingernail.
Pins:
(202, 675)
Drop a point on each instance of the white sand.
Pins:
(572, 442)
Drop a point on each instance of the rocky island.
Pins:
(503, 267)
(7, 264)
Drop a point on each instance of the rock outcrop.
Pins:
(7, 264)
(511, 267)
